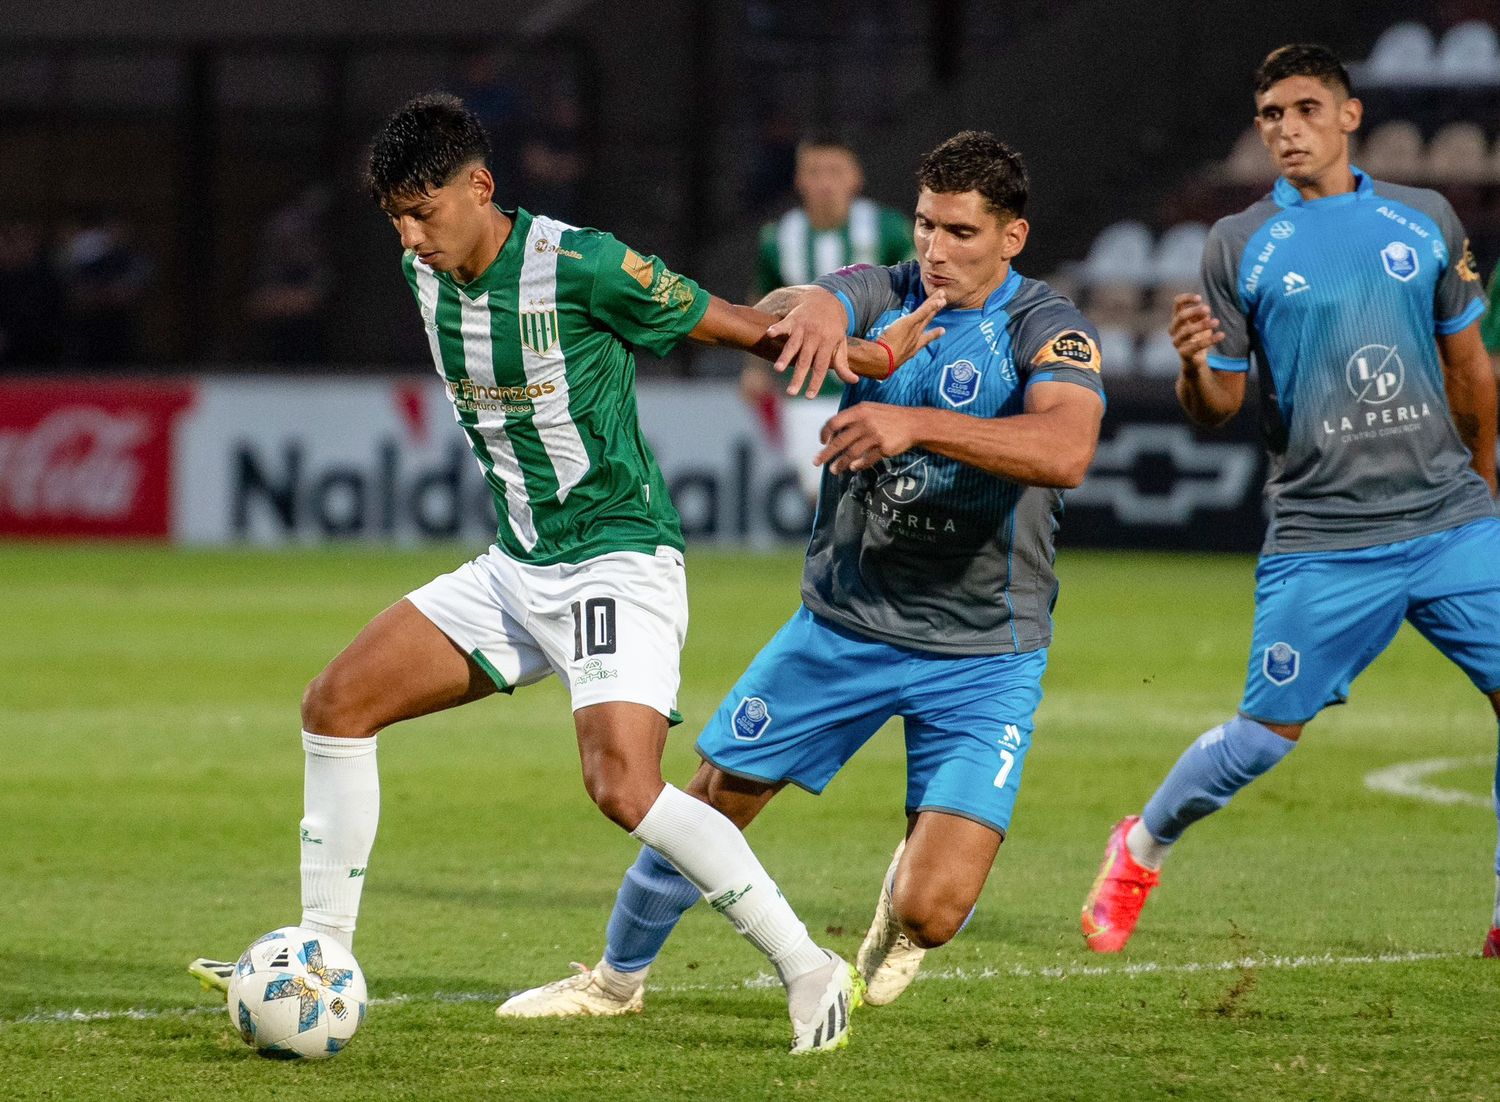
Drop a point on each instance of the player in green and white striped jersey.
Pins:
(832, 228)
(530, 323)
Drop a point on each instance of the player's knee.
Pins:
(623, 801)
(329, 707)
(930, 919)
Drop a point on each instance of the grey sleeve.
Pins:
(1221, 272)
(1459, 297)
(1056, 343)
(866, 292)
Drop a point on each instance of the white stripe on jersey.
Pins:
(552, 418)
(479, 365)
(427, 296)
(828, 252)
(864, 233)
(791, 247)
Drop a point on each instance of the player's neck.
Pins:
(1337, 179)
(496, 233)
(824, 220)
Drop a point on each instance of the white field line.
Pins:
(764, 980)
(1409, 779)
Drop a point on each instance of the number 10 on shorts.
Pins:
(594, 626)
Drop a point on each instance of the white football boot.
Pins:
(598, 992)
(887, 960)
(827, 1027)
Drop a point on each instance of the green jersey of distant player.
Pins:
(536, 356)
(1489, 325)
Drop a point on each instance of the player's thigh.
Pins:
(612, 626)
(942, 871)
(1320, 619)
(398, 667)
(969, 722)
(811, 698)
(1456, 600)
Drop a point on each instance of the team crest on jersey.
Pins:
(1070, 348)
(539, 329)
(1281, 664)
(1400, 261)
(750, 719)
(960, 383)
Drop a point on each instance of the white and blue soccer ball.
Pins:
(297, 995)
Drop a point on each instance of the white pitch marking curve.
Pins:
(1409, 779)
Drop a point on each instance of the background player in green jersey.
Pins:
(530, 323)
(832, 227)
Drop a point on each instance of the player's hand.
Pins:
(815, 342)
(865, 433)
(1193, 329)
(909, 335)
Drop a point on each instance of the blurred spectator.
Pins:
(105, 277)
(31, 299)
(484, 85)
(552, 159)
(285, 310)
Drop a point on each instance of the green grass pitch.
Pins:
(1317, 940)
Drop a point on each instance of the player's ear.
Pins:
(481, 185)
(1351, 114)
(1013, 237)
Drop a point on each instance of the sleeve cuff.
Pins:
(1070, 375)
(1471, 314)
(1228, 363)
(848, 312)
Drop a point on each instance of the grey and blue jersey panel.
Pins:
(1336, 301)
(924, 551)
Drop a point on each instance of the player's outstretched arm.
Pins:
(1471, 396)
(1208, 397)
(818, 346)
(1051, 444)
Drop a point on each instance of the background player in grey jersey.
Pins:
(530, 322)
(928, 587)
(832, 227)
(1358, 302)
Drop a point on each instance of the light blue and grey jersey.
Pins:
(922, 550)
(1336, 302)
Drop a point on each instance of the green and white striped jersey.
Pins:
(537, 359)
(792, 252)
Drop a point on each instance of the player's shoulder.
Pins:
(1234, 230)
(1423, 200)
(1037, 301)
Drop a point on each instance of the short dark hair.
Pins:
(1303, 59)
(976, 160)
(423, 146)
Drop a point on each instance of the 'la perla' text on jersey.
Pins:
(922, 550)
(1336, 301)
(537, 360)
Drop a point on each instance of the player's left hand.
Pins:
(815, 342)
(860, 436)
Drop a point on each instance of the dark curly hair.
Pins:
(1302, 59)
(976, 160)
(423, 146)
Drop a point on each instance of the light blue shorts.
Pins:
(817, 692)
(1322, 617)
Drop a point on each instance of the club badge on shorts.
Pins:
(1281, 663)
(750, 720)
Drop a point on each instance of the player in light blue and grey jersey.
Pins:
(1357, 303)
(928, 588)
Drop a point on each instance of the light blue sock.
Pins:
(1216, 766)
(652, 898)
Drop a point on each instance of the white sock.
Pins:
(341, 807)
(712, 853)
(1147, 851)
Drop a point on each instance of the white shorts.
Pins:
(612, 627)
(802, 422)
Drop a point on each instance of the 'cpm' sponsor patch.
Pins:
(1467, 269)
(1071, 347)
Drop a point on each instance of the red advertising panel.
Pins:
(87, 458)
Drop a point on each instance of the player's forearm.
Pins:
(1207, 399)
(1053, 448)
(1470, 384)
(727, 325)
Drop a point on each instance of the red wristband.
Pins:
(890, 355)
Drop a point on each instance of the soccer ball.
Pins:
(297, 995)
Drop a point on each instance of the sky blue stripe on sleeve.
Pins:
(1463, 321)
(848, 313)
(1225, 363)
